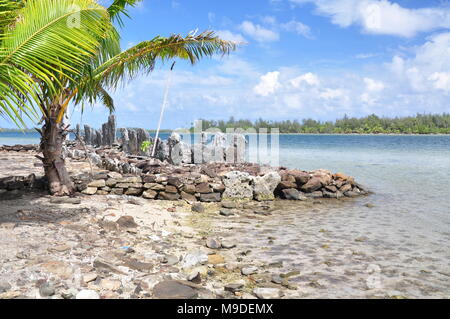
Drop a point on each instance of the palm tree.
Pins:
(54, 53)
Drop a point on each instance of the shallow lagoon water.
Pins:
(397, 248)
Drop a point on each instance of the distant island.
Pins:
(372, 124)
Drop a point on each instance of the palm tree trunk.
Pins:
(53, 135)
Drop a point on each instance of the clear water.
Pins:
(406, 234)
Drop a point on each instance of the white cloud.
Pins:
(268, 84)
(441, 80)
(308, 78)
(373, 85)
(230, 36)
(298, 27)
(427, 69)
(211, 17)
(258, 32)
(382, 16)
(332, 94)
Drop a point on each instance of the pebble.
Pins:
(87, 294)
(194, 259)
(172, 289)
(226, 212)
(47, 290)
(235, 287)
(109, 284)
(249, 271)
(198, 208)
(228, 245)
(195, 277)
(267, 293)
(213, 243)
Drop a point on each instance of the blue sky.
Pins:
(316, 59)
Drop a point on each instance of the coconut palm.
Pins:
(56, 53)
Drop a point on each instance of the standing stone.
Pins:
(87, 135)
(133, 144)
(125, 140)
(142, 136)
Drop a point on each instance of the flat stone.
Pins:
(249, 271)
(235, 287)
(138, 265)
(195, 277)
(89, 277)
(97, 183)
(198, 208)
(194, 258)
(226, 212)
(169, 196)
(267, 293)
(209, 198)
(229, 204)
(171, 189)
(87, 294)
(172, 289)
(105, 265)
(90, 191)
(203, 188)
(149, 194)
(59, 248)
(127, 222)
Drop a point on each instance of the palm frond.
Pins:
(119, 8)
(49, 43)
(143, 57)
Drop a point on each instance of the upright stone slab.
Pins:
(87, 135)
(142, 136)
(125, 140)
(133, 143)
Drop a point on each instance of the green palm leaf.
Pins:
(49, 44)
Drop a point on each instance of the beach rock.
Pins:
(203, 188)
(172, 289)
(287, 185)
(195, 277)
(246, 271)
(293, 194)
(149, 194)
(267, 293)
(213, 243)
(169, 196)
(87, 294)
(226, 212)
(194, 258)
(209, 198)
(126, 222)
(90, 191)
(345, 188)
(238, 185)
(190, 189)
(264, 186)
(312, 185)
(198, 208)
(46, 290)
(234, 287)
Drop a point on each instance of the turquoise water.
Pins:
(407, 231)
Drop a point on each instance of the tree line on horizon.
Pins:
(372, 124)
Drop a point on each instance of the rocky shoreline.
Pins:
(113, 240)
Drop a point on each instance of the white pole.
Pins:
(166, 95)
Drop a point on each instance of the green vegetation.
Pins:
(57, 53)
(145, 146)
(372, 124)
